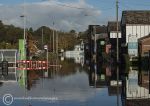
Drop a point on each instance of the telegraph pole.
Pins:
(53, 39)
(42, 38)
(24, 22)
(95, 54)
(117, 30)
(117, 6)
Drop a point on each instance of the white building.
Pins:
(135, 24)
(112, 34)
(77, 54)
(9, 55)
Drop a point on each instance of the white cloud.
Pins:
(44, 13)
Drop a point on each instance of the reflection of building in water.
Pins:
(11, 77)
(9, 55)
(79, 60)
(97, 78)
(135, 91)
(77, 54)
(144, 79)
(112, 88)
(104, 76)
(138, 102)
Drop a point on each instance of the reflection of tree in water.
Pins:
(69, 68)
(31, 78)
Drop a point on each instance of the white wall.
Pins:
(133, 33)
(139, 30)
(114, 35)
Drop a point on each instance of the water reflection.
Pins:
(136, 90)
(76, 85)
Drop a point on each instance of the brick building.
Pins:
(134, 25)
(144, 45)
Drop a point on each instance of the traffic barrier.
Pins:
(32, 65)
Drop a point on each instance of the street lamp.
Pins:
(24, 32)
(24, 35)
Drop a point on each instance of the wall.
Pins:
(144, 46)
(133, 33)
(114, 35)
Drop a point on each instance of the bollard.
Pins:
(4, 67)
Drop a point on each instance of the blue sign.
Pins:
(132, 45)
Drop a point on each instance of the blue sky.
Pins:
(101, 11)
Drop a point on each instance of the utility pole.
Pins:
(95, 54)
(117, 6)
(53, 39)
(24, 22)
(95, 44)
(56, 50)
(117, 30)
(42, 38)
(57, 42)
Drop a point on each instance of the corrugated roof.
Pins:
(136, 17)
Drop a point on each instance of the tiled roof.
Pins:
(99, 29)
(136, 17)
(145, 37)
(112, 26)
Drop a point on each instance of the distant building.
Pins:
(97, 38)
(144, 45)
(112, 34)
(134, 24)
(108, 48)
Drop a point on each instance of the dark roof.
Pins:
(143, 38)
(112, 26)
(136, 17)
(99, 28)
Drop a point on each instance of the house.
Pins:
(144, 46)
(97, 38)
(112, 34)
(134, 24)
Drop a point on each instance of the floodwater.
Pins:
(76, 85)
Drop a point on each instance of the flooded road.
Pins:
(72, 85)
